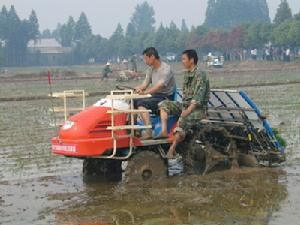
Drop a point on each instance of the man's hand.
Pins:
(139, 90)
(154, 89)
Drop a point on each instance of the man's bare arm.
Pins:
(189, 110)
(141, 88)
(154, 89)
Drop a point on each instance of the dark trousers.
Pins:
(152, 103)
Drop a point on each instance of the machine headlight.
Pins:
(68, 125)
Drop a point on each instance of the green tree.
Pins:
(294, 34)
(297, 16)
(67, 33)
(130, 39)
(1, 55)
(283, 13)
(147, 40)
(287, 34)
(82, 29)
(13, 46)
(3, 23)
(160, 38)
(143, 18)
(92, 47)
(172, 37)
(257, 35)
(56, 32)
(183, 36)
(34, 32)
(184, 27)
(13, 21)
(117, 42)
(230, 13)
(17, 33)
(46, 34)
(280, 36)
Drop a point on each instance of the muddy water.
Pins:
(38, 188)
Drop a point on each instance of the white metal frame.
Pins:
(69, 94)
(130, 96)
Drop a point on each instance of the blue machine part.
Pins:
(265, 122)
(156, 124)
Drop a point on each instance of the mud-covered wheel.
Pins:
(247, 160)
(101, 169)
(145, 166)
(193, 155)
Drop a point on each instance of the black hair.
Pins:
(151, 52)
(191, 54)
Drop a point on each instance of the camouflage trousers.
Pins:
(184, 123)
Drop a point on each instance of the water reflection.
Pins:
(231, 197)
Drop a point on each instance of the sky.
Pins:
(104, 15)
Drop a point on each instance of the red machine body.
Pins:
(86, 135)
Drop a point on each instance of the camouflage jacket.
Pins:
(196, 88)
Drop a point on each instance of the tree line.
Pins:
(15, 34)
(283, 32)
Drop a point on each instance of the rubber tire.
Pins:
(145, 166)
(102, 169)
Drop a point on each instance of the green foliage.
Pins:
(171, 38)
(297, 16)
(294, 34)
(287, 34)
(3, 23)
(280, 36)
(283, 13)
(143, 18)
(34, 32)
(46, 34)
(117, 42)
(56, 32)
(257, 35)
(67, 33)
(92, 47)
(17, 33)
(230, 13)
(1, 55)
(82, 28)
(279, 138)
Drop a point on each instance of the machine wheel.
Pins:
(145, 166)
(209, 147)
(102, 169)
(248, 160)
(193, 155)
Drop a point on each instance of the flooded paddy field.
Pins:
(39, 188)
(33, 82)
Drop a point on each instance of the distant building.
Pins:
(47, 52)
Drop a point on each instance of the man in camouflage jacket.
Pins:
(193, 108)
